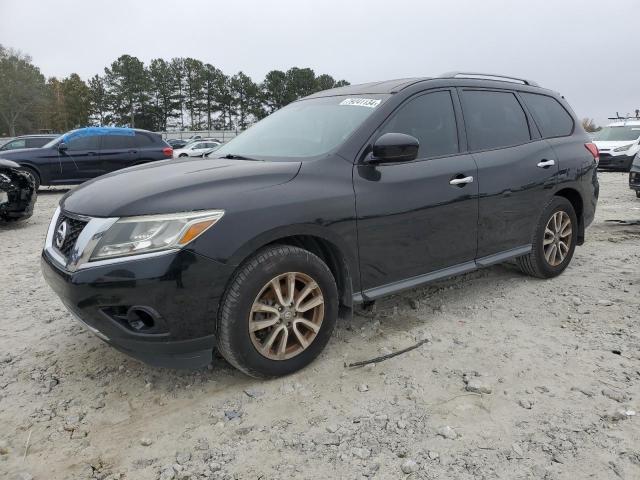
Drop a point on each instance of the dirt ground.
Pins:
(520, 379)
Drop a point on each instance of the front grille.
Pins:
(74, 228)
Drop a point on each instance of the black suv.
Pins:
(337, 199)
(86, 153)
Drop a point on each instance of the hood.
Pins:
(606, 146)
(175, 186)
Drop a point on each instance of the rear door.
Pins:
(412, 220)
(117, 151)
(517, 169)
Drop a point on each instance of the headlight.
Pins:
(152, 233)
(623, 148)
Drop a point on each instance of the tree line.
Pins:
(180, 93)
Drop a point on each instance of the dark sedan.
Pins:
(86, 153)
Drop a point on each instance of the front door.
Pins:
(517, 170)
(81, 159)
(420, 216)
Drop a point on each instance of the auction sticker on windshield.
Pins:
(361, 102)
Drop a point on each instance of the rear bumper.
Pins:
(181, 290)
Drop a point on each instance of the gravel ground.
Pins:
(519, 379)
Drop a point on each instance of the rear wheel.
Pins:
(278, 312)
(554, 240)
(183, 155)
(638, 193)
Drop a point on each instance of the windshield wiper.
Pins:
(231, 156)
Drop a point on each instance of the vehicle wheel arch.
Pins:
(319, 241)
(577, 202)
(34, 168)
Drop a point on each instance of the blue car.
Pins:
(86, 153)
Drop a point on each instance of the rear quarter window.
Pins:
(549, 114)
(143, 140)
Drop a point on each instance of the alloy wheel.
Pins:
(286, 316)
(557, 238)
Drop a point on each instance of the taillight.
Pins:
(168, 152)
(594, 151)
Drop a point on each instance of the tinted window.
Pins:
(143, 140)
(115, 142)
(551, 117)
(429, 118)
(36, 142)
(83, 143)
(494, 119)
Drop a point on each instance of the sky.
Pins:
(586, 49)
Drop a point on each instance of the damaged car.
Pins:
(17, 192)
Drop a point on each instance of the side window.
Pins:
(549, 114)
(494, 119)
(90, 142)
(142, 140)
(16, 144)
(36, 142)
(431, 119)
(116, 142)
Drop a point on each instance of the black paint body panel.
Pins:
(395, 226)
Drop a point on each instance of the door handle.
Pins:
(461, 181)
(546, 163)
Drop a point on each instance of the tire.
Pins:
(183, 155)
(35, 175)
(637, 193)
(250, 285)
(536, 263)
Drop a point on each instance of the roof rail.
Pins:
(489, 76)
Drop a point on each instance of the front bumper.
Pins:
(182, 290)
(19, 195)
(622, 162)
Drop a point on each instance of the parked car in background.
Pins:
(176, 143)
(634, 175)
(618, 144)
(17, 192)
(86, 153)
(195, 149)
(339, 198)
(211, 153)
(28, 141)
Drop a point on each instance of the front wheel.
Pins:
(278, 312)
(554, 240)
(637, 193)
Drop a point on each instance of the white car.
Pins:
(195, 149)
(618, 144)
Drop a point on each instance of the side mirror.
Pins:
(62, 146)
(394, 147)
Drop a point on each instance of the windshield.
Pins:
(53, 142)
(304, 129)
(618, 134)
